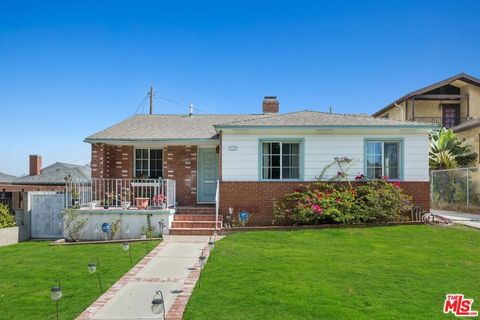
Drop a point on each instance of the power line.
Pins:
(142, 104)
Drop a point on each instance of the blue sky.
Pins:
(71, 68)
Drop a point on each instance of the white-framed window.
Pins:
(148, 163)
(280, 160)
(383, 159)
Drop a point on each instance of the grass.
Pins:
(28, 271)
(401, 272)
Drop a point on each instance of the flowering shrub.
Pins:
(375, 201)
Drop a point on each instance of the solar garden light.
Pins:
(211, 243)
(92, 268)
(158, 304)
(202, 259)
(56, 294)
(126, 247)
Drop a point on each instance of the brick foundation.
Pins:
(180, 164)
(257, 197)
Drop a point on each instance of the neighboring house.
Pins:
(259, 157)
(6, 197)
(453, 103)
(51, 178)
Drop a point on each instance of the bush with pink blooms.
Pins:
(320, 202)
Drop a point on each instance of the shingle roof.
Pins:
(167, 127)
(315, 118)
(6, 178)
(183, 127)
(461, 76)
(56, 174)
(467, 125)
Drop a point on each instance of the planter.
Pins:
(143, 237)
(92, 205)
(125, 205)
(141, 203)
(106, 207)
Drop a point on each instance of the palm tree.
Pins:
(446, 151)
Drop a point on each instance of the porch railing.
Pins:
(443, 121)
(121, 193)
(217, 204)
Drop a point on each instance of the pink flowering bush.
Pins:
(374, 201)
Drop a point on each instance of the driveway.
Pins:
(467, 219)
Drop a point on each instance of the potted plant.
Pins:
(141, 203)
(160, 200)
(75, 197)
(125, 195)
(107, 202)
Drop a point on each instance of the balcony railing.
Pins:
(121, 193)
(443, 121)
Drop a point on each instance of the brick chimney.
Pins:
(270, 104)
(35, 164)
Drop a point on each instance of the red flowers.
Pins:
(396, 184)
(360, 177)
(317, 209)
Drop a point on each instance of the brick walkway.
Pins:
(173, 265)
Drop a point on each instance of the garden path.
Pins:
(172, 266)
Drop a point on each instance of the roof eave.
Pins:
(143, 140)
(353, 127)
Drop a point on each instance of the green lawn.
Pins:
(401, 272)
(28, 271)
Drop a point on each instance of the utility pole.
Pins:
(151, 100)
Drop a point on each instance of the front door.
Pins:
(451, 115)
(207, 175)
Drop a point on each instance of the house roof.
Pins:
(461, 76)
(6, 178)
(309, 118)
(167, 127)
(472, 123)
(56, 174)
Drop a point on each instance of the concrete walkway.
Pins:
(172, 266)
(467, 219)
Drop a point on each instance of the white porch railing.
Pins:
(217, 204)
(122, 193)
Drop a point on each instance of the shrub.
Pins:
(73, 224)
(376, 201)
(7, 220)
(382, 201)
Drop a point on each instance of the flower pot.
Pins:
(141, 203)
(125, 205)
(106, 207)
(164, 206)
(92, 205)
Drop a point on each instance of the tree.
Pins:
(446, 151)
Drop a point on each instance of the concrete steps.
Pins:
(195, 221)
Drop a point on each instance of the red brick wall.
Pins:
(180, 164)
(109, 161)
(257, 197)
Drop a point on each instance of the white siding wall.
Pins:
(320, 150)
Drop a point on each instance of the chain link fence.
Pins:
(455, 189)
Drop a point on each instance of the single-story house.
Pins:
(257, 158)
(50, 178)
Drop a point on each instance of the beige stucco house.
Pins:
(453, 103)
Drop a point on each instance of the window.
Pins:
(383, 159)
(148, 163)
(280, 160)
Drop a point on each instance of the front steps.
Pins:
(195, 221)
